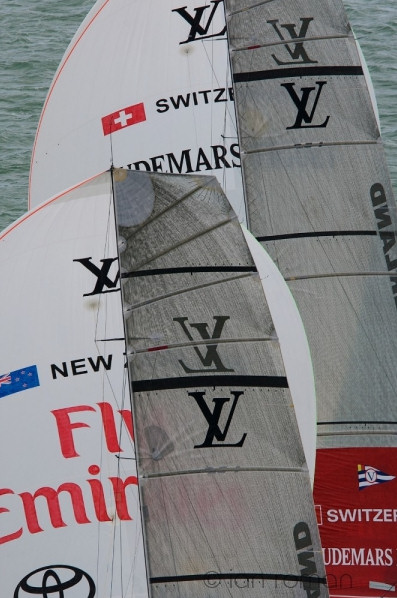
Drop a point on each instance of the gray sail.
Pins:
(226, 497)
(319, 198)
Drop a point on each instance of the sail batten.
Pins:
(314, 71)
(210, 381)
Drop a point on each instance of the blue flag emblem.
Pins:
(18, 380)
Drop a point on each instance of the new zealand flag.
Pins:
(18, 380)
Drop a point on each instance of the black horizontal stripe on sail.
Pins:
(327, 233)
(361, 423)
(311, 71)
(231, 576)
(209, 381)
(189, 270)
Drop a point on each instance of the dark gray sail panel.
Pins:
(215, 426)
(211, 529)
(276, 20)
(204, 428)
(319, 199)
(316, 189)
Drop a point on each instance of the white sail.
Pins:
(171, 63)
(144, 85)
(319, 199)
(218, 443)
(69, 509)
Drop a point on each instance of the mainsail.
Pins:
(225, 495)
(320, 201)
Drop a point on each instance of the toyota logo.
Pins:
(54, 581)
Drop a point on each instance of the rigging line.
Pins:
(127, 386)
(214, 470)
(228, 111)
(244, 206)
(188, 290)
(185, 196)
(309, 145)
(295, 40)
(186, 240)
(207, 343)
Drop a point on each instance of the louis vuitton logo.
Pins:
(298, 53)
(214, 431)
(104, 284)
(198, 28)
(210, 359)
(301, 103)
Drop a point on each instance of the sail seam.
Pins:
(223, 470)
(353, 422)
(186, 240)
(358, 433)
(328, 233)
(294, 41)
(309, 146)
(165, 210)
(339, 274)
(188, 290)
(206, 342)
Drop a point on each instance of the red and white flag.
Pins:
(123, 118)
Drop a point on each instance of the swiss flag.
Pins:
(123, 118)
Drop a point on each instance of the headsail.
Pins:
(225, 492)
(319, 199)
(134, 72)
(70, 515)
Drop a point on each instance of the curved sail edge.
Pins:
(69, 494)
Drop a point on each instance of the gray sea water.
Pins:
(35, 34)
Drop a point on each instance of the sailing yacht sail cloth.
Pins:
(182, 82)
(319, 199)
(70, 521)
(167, 58)
(225, 490)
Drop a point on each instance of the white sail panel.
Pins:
(320, 201)
(134, 72)
(294, 347)
(210, 399)
(69, 497)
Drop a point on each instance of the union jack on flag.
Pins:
(18, 380)
(5, 379)
(370, 476)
